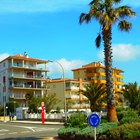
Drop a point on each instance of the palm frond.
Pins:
(98, 41)
(117, 1)
(95, 2)
(84, 17)
(125, 25)
(124, 11)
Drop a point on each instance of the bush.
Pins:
(130, 134)
(86, 133)
(77, 120)
(118, 132)
(68, 132)
(129, 120)
(128, 113)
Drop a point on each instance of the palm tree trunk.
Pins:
(111, 109)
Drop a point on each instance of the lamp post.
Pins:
(14, 107)
(6, 110)
(65, 111)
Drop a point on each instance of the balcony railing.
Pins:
(17, 96)
(20, 65)
(27, 76)
(27, 86)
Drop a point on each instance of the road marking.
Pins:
(2, 134)
(12, 133)
(44, 129)
(25, 131)
(3, 130)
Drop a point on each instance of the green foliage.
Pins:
(127, 114)
(67, 132)
(130, 134)
(129, 120)
(50, 101)
(95, 94)
(103, 128)
(116, 133)
(11, 106)
(1, 111)
(34, 103)
(85, 133)
(76, 120)
(131, 92)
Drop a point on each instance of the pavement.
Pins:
(39, 122)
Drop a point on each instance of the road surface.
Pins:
(20, 131)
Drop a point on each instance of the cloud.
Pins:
(56, 71)
(40, 5)
(3, 56)
(123, 52)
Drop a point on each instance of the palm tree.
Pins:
(131, 93)
(95, 94)
(107, 14)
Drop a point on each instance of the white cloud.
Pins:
(3, 56)
(40, 5)
(56, 70)
(123, 52)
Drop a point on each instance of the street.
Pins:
(20, 131)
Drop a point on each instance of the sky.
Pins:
(50, 30)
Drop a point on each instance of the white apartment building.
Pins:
(21, 75)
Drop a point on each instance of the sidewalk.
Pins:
(37, 122)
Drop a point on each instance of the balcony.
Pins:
(30, 67)
(30, 87)
(22, 76)
(17, 96)
(72, 88)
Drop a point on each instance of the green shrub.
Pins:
(67, 132)
(130, 134)
(129, 120)
(77, 120)
(116, 133)
(128, 113)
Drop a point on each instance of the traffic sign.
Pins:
(94, 120)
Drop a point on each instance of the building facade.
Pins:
(95, 72)
(69, 89)
(20, 76)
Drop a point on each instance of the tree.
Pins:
(107, 14)
(34, 103)
(50, 102)
(95, 94)
(131, 93)
(69, 104)
(12, 106)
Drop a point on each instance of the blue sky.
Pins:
(49, 29)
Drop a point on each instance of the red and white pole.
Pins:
(43, 113)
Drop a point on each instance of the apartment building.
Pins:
(95, 72)
(21, 75)
(69, 89)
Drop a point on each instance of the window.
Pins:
(3, 64)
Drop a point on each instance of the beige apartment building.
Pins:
(21, 75)
(69, 89)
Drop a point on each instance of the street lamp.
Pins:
(6, 110)
(63, 86)
(14, 107)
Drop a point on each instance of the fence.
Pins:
(47, 116)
